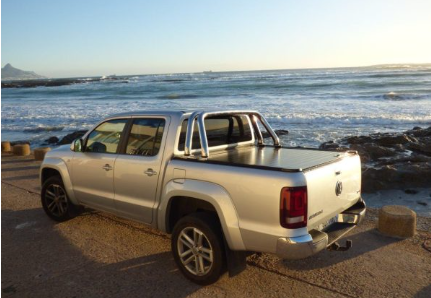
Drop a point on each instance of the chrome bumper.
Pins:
(307, 245)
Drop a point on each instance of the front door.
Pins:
(137, 169)
(93, 169)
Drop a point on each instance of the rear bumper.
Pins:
(307, 245)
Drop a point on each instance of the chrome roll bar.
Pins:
(199, 117)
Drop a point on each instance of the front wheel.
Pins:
(197, 246)
(55, 202)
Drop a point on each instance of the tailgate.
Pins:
(332, 189)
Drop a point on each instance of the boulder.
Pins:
(396, 176)
(392, 160)
(373, 151)
(420, 132)
(412, 158)
(68, 139)
(52, 140)
(374, 179)
(329, 146)
(281, 132)
(424, 148)
(358, 140)
(390, 140)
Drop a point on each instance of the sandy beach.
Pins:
(97, 254)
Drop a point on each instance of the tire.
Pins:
(196, 265)
(55, 201)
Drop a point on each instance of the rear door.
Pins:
(137, 168)
(332, 188)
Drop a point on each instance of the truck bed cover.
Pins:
(272, 158)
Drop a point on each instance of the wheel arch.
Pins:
(56, 166)
(200, 195)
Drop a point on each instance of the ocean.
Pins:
(314, 105)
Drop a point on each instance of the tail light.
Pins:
(293, 207)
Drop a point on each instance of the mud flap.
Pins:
(236, 260)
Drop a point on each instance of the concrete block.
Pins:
(39, 153)
(5, 146)
(21, 150)
(397, 221)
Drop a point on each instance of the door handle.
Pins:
(107, 167)
(150, 172)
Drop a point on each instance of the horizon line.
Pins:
(231, 71)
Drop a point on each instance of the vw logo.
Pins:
(338, 188)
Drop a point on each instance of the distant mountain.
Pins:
(9, 73)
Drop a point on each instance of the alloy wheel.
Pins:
(56, 200)
(195, 251)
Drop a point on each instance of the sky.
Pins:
(91, 38)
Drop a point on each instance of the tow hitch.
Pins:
(337, 247)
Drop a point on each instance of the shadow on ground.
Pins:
(363, 242)
(6, 162)
(27, 168)
(424, 293)
(38, 261)
(23, 177)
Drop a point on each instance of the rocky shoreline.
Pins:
(59, 82)
(389, 160)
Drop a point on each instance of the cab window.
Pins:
(221, 130)
(106, 137)
(145, 137)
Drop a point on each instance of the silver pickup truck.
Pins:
(210, 179)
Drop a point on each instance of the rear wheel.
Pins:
(197, 246)
(55, 202)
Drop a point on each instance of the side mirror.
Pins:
(77, 145)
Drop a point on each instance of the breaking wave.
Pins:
(44, 129)
(319, 103)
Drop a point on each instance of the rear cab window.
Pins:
(145, 136)
(221, 130)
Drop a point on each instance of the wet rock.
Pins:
(374, 151)
(411, 191)
(419, 147)
(329, 146)
(392, 160)
(399, 148)
(377, 179)
(52, 140)
(281, 132)
(414, 157)
(422, 203)
(397, 176)
(419, 132)
(390, 140)
(358, 140)
(68, 139)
